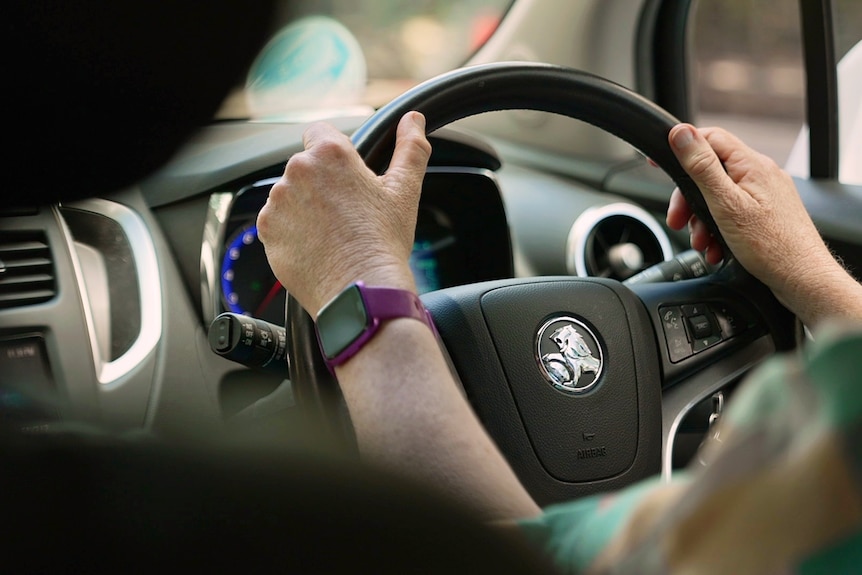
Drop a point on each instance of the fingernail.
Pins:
(682, 137)
(419, 120)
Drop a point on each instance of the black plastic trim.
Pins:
(662, 66)
(821, 87)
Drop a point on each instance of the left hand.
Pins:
(330, 220)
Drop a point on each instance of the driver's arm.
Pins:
(330, 221)
(766, 226)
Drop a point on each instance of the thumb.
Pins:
(412, 151)
(701, 163)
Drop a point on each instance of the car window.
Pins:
(748, 71)
(749, 77)
(847, 18)
(342, 56)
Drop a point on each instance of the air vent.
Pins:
(26, 269)
(616, 241)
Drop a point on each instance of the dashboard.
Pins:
(105, 303)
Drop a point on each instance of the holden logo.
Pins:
(568, 354)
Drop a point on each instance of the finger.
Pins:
(703, 165)
(697, 157)
(743, 163)
(678, 211)
(713, 254)
(412, 151)
(700, 236)
(702, 241)
(726, 145)
(320, 132)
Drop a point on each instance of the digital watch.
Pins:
(350, 319)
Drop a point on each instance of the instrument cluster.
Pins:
(461, 225)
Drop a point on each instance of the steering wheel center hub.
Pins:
(569, 355)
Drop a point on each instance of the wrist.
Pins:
(388, 274)
(825, 291)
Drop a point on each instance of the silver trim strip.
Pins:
(212, 243)
(576, 244)
(214, 229)
(149, 282)
(679, 399)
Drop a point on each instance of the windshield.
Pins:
(347, 57)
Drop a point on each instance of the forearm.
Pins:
(411, 417)
(330, 221)
(829, 293)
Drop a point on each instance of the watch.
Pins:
(350, 319)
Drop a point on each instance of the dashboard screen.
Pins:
(431, 260)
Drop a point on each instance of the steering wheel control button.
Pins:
(729, 320)
(704, 330)
(672, 321)
(700, 327)
(568, 354)
(693, 309)
(700, 344)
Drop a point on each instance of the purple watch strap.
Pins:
(381, 304)
(390, 303)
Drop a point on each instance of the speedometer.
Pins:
(248, 285)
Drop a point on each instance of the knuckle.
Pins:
(298, 166)
(701, 164)
(423, 145)
(262, 224)
(278, 190)
(332, 149)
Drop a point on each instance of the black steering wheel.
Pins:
(582, 382)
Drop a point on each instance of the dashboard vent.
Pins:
(26, 269)
(616, 241)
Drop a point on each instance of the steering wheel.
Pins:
(581, 382)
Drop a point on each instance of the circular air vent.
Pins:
(616, 241)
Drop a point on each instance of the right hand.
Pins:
(330, 220)
(757, 208)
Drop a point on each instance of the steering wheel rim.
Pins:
(578, 95)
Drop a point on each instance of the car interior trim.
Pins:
(149, 281)
(821, 88)
(215, 228)
(589, 219)
(679, 400)
(665, 40)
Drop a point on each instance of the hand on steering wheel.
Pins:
(635, 337)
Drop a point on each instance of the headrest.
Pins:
(100, 94)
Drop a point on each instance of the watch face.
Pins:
(341, 321)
